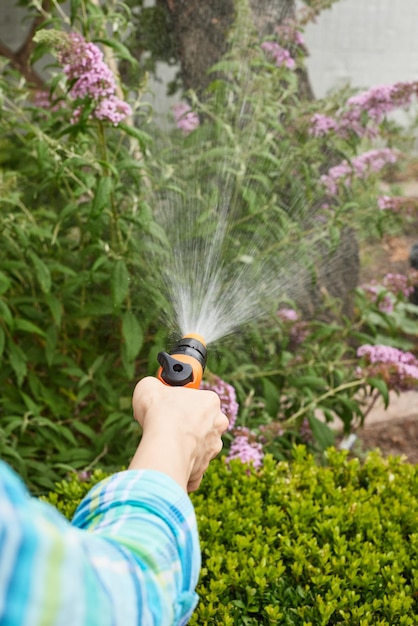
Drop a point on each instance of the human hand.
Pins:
(182, 430)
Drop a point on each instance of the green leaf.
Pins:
(5, 283)
(120, 282)
(122, 50)
(17, 360)
(381, 386)
(271, 396)
(28, 327)
(42, 272)
(55, 306)
(322, 433)
(102, 196)
(313, 382)
(143, 138)
(51, 344)
(132, 335)
(2, 341)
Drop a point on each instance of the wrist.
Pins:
(169, 454)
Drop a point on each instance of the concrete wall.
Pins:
(363, 42)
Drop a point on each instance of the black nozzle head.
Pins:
(192, 347)
(174, 372)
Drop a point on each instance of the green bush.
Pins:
(301, 544)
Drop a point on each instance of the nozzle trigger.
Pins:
(174, 372)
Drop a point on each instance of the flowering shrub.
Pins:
(102, 214)
(397, 368)
(186, 119)
(245, 448)
(363, 112)
(360, 167)
(91, 80)
(227, 395)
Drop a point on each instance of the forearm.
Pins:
(153, 520)
(135, 560)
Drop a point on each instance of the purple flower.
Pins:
(398, 284)
(360, 167)
(322, 125)
(91, 79)
(280, 55)
(246, 449)
(288, 315)
(298, 331)
(398, 204)
(186, 119)
(289, 34)
(364, 111)
(397, 368)
(377, 294)
(227, 395)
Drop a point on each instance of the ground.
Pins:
(395, 430)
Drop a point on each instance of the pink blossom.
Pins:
(398, 204)
(380, 296)
(186, 119)
(246, 449)
(398, 284)
(397, 368)
(280, 55)
(91, 79)
(360, 167)
(322, 124)
(364, 111)
(227, 395)
(289, 34)
(288, 315)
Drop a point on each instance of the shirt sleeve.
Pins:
(131, 555)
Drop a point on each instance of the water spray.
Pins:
(184, 365)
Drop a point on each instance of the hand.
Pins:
(182, 430)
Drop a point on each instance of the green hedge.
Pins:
(299, 544)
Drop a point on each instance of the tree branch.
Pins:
(20, 59)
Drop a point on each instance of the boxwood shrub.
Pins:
(301, 544)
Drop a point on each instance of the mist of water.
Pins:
(234, 249)
(218, 274)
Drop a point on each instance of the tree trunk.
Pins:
(201, 28)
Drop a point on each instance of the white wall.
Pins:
(363, 42)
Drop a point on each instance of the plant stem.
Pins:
(114, 231)
(328, 394)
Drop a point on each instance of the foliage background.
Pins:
(83, 304)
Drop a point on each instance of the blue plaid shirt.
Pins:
(130, 556)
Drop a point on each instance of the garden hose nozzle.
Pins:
(185, 364)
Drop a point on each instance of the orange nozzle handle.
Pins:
(185, 364)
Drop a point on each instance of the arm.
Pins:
(139, 561)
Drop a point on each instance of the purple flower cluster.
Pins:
(397, 368)
(280, 55)
(245, 448)
(227, 395)
(398, 284)
(380, 296)
(288, 315)
(298, 329)
(366, 110)
(398, 204)
(91, 79)
(186, 119)
(361, 167)
(322, 124)
(289, 34)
